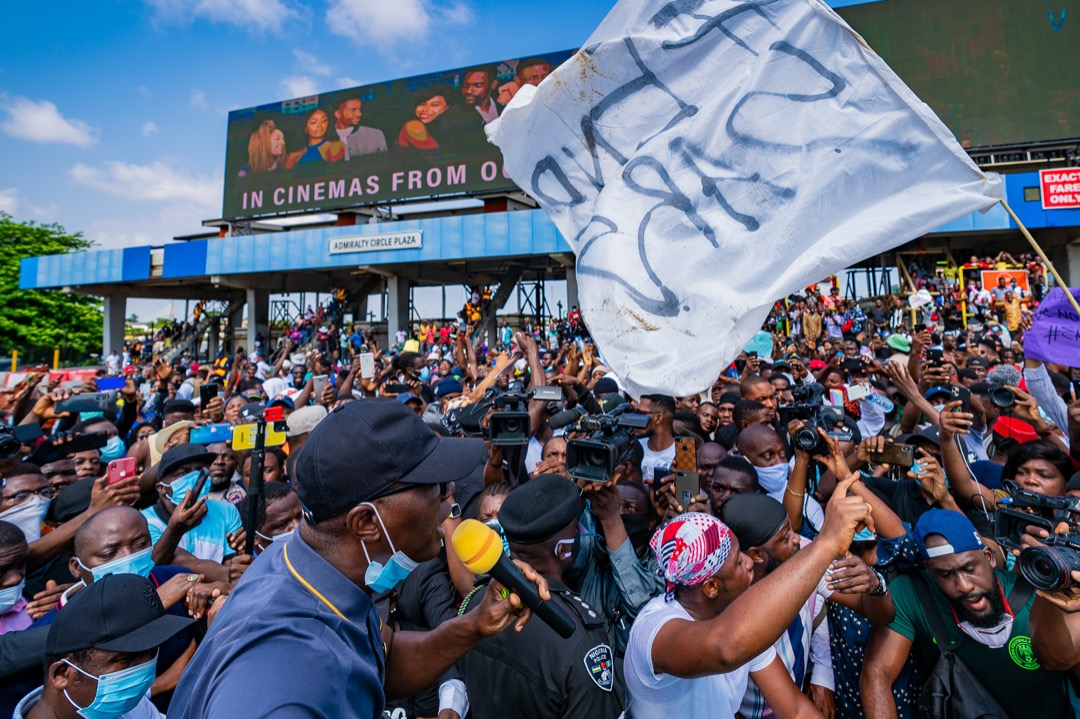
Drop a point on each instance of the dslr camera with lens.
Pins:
(1047, 567)
(609, 444)
(809, 406)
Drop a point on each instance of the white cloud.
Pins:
(310, 64)
(299, 86)
(149, 128)
(252, 15)
(156, 182)
(198, 99)
(343, 82)
(386, 24)
(9, 201)
(143, 90)
(12, 201)
(42, 122)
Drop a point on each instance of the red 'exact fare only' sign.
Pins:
(1060, 188)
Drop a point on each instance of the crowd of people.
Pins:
(817, 534)
(950, 297)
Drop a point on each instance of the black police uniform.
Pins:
(536, 674)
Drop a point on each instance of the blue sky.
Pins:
(113, 112)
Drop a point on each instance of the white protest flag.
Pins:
(705, 158)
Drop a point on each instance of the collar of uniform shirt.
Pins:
(326, 583)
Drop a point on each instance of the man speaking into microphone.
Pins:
(535, 673)
(300, 635)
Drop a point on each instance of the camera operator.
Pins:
(1055, 616)
(983, 611)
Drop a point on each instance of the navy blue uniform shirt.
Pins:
(295, 639)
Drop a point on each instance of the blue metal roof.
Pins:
(445, 239)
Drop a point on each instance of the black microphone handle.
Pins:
(508, 574)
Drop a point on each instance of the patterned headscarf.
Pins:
(690, 549)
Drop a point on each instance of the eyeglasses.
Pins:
(443, 487)
(22, 496)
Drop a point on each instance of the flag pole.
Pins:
(1042, 255)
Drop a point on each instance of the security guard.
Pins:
(534, 673)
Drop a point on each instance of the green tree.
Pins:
(36, 321)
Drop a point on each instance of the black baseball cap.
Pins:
(118, 613)
(180, 454)
(363, 447)
(539, 509)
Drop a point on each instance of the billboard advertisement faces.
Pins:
(412, 138)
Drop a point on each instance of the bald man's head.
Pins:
(761, 445)
(106, 526)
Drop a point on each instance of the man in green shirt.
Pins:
(971, 597)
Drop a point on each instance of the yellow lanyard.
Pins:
(327, 602)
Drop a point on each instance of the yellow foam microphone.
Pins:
(479, 548)
(477, 545)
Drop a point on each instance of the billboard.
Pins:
(411, 138)
(997, 72)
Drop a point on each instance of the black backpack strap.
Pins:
(1020, 594)
(937, 624)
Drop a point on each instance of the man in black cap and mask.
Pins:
(536, 674)
(374, 481)
(101, 653)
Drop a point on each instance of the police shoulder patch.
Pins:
(599, 664)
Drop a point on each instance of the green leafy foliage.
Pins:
(36, 321)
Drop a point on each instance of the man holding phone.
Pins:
(184, 517)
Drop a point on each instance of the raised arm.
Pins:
(757, 618)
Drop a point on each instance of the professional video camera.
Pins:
(609, 444)
(1047, 567)
(510, 424)
(809, 406)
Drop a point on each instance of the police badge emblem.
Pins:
(598, 661)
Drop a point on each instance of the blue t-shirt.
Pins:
(207, 540)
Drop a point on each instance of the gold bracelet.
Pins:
(794, 494)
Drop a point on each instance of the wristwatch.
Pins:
(883, 583)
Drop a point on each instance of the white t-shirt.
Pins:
(652, 460)
(660, 696)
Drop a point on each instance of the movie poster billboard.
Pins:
(419, 137)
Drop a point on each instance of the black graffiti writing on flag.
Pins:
(723, 179)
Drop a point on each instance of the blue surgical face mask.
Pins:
(864, 535)
(425, 374)
(117, 692)
(773, 478)
(182, 485)
(494, 524)
(9, 596)
(381, 578)
(277, 538)
(140, 563)
(113, 449)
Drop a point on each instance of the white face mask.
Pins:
(773, 478)
(994, 637)
(27, 516)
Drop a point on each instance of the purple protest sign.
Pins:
(1055, 331)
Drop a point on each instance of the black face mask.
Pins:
(637, 529)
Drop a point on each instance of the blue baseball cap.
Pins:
(938, 389)
(406, 398)
(447, 386)
(957, 529)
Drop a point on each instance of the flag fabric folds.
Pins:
(705, 158)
